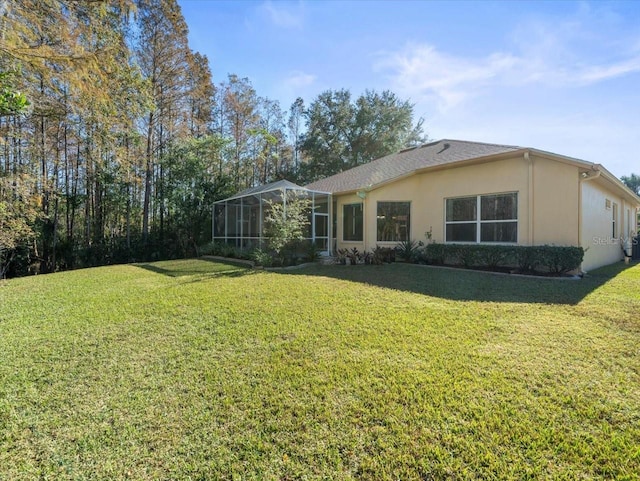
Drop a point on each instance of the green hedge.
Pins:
(546, 258)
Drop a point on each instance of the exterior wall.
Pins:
(548, 199)
(554, 206)
(556, 203)
(601, 246)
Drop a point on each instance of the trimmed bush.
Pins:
(560, 260)
(435, 253)
(527, 258)
(552, 259)
(493, 256)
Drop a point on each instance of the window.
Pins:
(497, 222)
(614, 221)
(352, 222)
(462, 215)
(393, 221)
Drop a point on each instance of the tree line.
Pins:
(115, 140)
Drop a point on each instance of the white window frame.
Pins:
(478, 221)
(614, 220)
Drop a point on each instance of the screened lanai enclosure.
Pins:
(240, 220)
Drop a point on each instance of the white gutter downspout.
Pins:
(529, 161)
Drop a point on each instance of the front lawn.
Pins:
(201, 370)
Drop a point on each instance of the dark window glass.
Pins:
(499, 207)
(393, 221)
(461, 232)
(352, 222)
(462, 209)
(321, 204)
(306, 229)
(322, 225)
(499, 232)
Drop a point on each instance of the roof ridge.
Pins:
(484, 143)
(435, 142)
(411, 159)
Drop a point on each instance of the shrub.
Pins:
(560, 260)
(285, 223)
(312, 253)
(435, 253)
(209, 249)
(262, 258)
(408, 250)
(554, 259)
(381, 255)
(526, 258)
(466, 255)
(354, 256)
(493, 256)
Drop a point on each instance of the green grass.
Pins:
(200, 370)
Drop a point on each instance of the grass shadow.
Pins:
(465, 285)
(201, 268)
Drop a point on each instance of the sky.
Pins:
(559, 76)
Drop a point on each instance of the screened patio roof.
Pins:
(239, 220)
(273, 186)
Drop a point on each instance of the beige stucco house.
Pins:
(472, 192)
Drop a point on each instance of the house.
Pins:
(470, 192)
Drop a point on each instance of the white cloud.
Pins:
(299, 80)
(603, 72)
(564, 56)
(293, 85)
(425, 72)
(284, 15)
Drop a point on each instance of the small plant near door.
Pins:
(354, 256)
(408, 250)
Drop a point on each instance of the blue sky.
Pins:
(557, 76)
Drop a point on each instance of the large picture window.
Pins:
(352, 222)
(482, 218)
(393, 221)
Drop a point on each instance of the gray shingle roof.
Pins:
(407, 161)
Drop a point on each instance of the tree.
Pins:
(342, 134)
(285, 222)
(328, 140)
(632, 181)
(295, 124)
(112, 87)
(12, 102)
(18, 213)
(191, 185)
(162, 53)
(200, 95)
(241, 120)
(383, 125)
